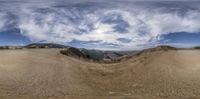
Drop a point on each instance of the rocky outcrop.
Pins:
(74, 52)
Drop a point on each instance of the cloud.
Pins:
(123, 26)
(2, 17)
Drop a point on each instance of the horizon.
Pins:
(101, 24)
(197, 46)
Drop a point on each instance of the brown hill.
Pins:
(161, 48)
(47, 74)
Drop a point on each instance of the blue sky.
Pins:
(101, 24)
(13, 37)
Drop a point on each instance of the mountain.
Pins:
(99, 55)
(90, 54)
(161, 48)
(45, 45)
(74, 52)
(95, 55)
(110, 56)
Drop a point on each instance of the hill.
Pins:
(161, 48)
(74, 52)
(45, 45)
(45, 73)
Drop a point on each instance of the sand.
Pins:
(47, 74)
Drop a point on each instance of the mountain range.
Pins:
(92, 54)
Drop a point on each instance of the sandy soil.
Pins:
(47, 74)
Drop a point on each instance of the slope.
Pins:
(47, 74)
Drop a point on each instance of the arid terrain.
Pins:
(48, 74)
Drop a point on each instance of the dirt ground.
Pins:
(47, 74)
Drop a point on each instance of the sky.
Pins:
(101, 24)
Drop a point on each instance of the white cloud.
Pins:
(144, 28)
(3, 20)
(67, 24)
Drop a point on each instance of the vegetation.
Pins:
(4, 47)
(198, 47)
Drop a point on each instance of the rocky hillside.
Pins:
(74, 52)
(110, 56)
(96, 55)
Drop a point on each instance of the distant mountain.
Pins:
(81, 52)
(99, 55)
(45, 45)
(91, 54)
(95, 55)
(158, 48)
(111, 56)
(161, 48)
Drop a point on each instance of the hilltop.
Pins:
(46, 73)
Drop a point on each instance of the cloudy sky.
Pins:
(100, 24)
